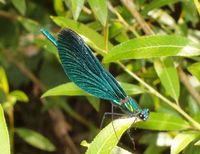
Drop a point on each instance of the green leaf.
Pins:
(151, 149)
(181, 141)
(99, 7)
(3, 1)
(153, 46)
(168, 75)
(59, 7)
(76, 7)
(132, 89)
(29, 24)
(20, 5)
(67, 89)
(70, 89)
(194, 69)
(4, 141)
(3, 81)
(157, 4)
(163, 122)
(197, 143)
(106, 140)
(119, 150)
(35, 139)
(47, 45)
(20, 95)
(95, 40)
(95, 102)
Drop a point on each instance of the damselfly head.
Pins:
(144, 114)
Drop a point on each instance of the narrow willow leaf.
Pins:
(132, 89)
(153, 46)
(167, 73)
(20, 95)
(76, 7)
(94, 37)
(157, 4)
(3, 81)
(99, 7)
(106, 140)
(4, 141)
(20, 5)
(68, 89)
(194, 69)
(163, 122)
(35, 139)
(181, 141)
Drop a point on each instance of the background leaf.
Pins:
(3, 81)
(194, 69)
(19, 95)
(119, 150)
(82, 29)
(168, 76)
(163, 122)
(20, 5)
(76, 7)
(156, 4)
(35, 139)
(99, 7)
(181, 141)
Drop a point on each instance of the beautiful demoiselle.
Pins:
(85, 70)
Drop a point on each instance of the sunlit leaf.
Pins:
(76, 7)
(163, 122)
(3, 81)
(106, 140)
(19, 95)
(4, 141)
(99, 7)
(68, 89)
(168, 76)
(181, 141)
(197, 143)
(132, 89)
(195, 70)
(59, 7)
(35, 139)
(153, 46)
(95, 39)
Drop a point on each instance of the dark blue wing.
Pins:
(84, 69)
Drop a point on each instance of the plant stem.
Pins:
(154, 92)
(11, 121)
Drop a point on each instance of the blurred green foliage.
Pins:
(168, 62)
